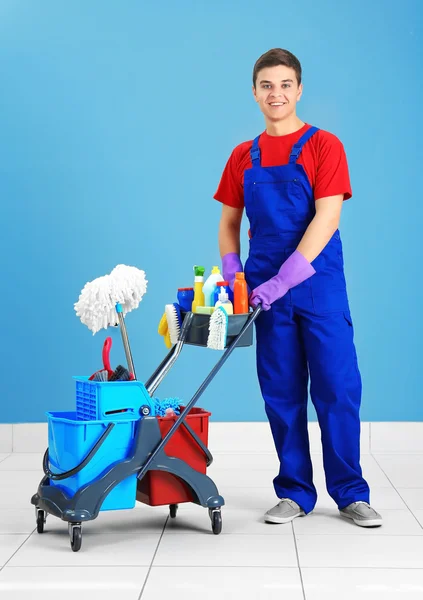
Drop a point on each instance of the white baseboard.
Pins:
(257, 438)
(382, 438)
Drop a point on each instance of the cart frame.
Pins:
(148, 454)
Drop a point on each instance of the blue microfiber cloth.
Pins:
(160, 406)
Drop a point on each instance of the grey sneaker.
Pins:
(285, 511)
(362, 514)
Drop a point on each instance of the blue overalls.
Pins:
(309, 330)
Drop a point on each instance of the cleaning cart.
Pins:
(114, 450)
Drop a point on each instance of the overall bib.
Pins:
(308, 331)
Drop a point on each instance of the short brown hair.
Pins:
(274, 58)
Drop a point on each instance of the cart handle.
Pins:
(75, 470)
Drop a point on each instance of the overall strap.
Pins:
(255, 153)
(297, 148)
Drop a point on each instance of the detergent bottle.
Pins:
(225, 302)
(210, 285)
(240, 294)
(198, 288)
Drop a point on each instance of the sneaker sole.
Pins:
(282, 520)
(373, 523)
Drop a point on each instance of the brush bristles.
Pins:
(173, 323)
(120, 374)
(218, 329)
(101, 376)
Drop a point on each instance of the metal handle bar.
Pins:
(163, 369)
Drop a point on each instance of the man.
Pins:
(292, 181)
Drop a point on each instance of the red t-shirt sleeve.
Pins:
(332, 176)
(325, 163)
(230, 190)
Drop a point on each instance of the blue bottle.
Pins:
(185, 298)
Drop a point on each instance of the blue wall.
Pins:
(116, 121)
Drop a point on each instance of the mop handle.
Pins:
(125, 340)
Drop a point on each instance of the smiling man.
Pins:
(292, 181)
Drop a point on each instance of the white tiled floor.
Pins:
(142, 554)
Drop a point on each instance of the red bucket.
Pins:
(158, 487)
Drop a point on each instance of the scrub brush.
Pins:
(106, 361)
(174, 321)
(101, 376)
(163, 330)
(218, 329)
(120, 374)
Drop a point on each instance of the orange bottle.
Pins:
(240, 294)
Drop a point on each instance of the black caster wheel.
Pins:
(75, 534)
(173, 509)
(216, 520)
(41, 519)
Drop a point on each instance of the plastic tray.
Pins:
(199, 330)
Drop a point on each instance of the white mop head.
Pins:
(96, 306)
(218, 329)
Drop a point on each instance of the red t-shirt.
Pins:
(323, 158)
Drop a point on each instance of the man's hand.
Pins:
(294, 271)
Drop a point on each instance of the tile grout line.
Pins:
(298, 560)
(208, 566)
(152, 560)
(363, 535)
(376, 461)
(13, 438)
(16, 551)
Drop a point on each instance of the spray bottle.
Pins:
(198, 288)
(225, 302)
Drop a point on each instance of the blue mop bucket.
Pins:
(69, 442)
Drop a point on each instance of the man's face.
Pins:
(277, 92)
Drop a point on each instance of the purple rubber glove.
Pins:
(294, 271)
(231, 264)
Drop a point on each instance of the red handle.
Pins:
(106, 353)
